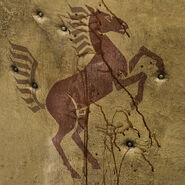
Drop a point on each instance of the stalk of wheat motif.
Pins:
(24, 64)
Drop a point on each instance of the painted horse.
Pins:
(68, 100)
(96, 80)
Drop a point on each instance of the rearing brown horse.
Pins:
(68, 100)
(96, 80)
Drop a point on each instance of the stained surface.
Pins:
(27, 154)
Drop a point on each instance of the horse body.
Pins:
(85, 87)
(91, 84)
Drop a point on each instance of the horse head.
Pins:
(105, 22)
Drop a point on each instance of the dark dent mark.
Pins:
(34, 85)
(15, 68)
(39, 13)
(130, 144)
(161, 75)
(63, 28)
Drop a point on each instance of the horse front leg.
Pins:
(140, 77)
(144, 51)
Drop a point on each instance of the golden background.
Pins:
(27, 155)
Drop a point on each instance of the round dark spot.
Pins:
(76, 14)
(39, 13)
(34, 85)
(96, 154)
(15, 69)
(151, 63)
(141, 66)
(99, 4)
(129, 143)
(63, 28)
(161, 75)
(120, 73)
(75, 35)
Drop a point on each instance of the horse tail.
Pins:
(24, 65)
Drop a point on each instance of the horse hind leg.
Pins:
(56, 141)
(78, 141)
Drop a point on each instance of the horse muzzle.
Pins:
(124, 31)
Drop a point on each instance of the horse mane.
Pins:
(78, 21)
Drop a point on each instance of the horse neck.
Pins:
(95, 36)
(102, 45)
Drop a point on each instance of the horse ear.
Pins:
(90, 9)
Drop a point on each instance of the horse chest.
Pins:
(99, 81)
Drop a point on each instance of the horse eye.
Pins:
(108, 18)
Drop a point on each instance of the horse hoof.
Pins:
(95, 165)
(75, 175)
(132, 106)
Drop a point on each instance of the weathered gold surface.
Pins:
(27, 155)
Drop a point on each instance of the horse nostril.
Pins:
(124, 25)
